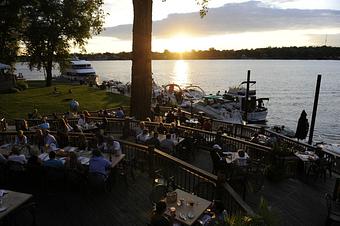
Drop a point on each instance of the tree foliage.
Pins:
(11, 22)
(53, 26)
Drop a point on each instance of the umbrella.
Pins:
(302, 126)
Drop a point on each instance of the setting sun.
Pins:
(179, 43)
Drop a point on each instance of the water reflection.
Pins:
(181, 72)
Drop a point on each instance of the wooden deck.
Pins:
(124, 205)
(296, 202)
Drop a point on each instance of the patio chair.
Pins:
(333, 204)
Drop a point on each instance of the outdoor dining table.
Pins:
(10, 201)
(307, 158)
(189, 207)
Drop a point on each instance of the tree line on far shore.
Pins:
(300, 53)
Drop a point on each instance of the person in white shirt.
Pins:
(143, 137)
(82, 121)
(242, 158)
(114, 146)
(20, 138)
(50, 141)
(16, 156)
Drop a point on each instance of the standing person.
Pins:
(302, 126)
(157, 111)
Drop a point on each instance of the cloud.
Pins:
(233, 18)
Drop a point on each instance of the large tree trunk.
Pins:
(49, 73)
(141, 78)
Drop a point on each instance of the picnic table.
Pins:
(11, 201)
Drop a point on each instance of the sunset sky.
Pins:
(229, 24)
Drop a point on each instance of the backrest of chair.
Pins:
(336, 191)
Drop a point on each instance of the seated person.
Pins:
(120, 113)
(140, 128)
(50, 141)
(34, 114)
(207, 125)
(242, 158)
(113, 146)
(158, 217)
(72, 162)
(143, 137)
(173, 129)
(16, 156)
(272, 140)
(34, 160)
(168, 144)
(154, 141)
(38, 139)
(101, 142)
(161, 129)
(255, 138)
(220, 216)
(98, 164)
(82, 121)
(20, 138)
(83, 143)
(52, 161)
(44, 124)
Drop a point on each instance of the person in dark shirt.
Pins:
(158, 218)
(161, 129)
(154, 141)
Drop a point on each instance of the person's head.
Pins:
(142, 124)
(96, 153)
(161, 124)
(148, 119)
(44, 119)
(46, 132)
(173, 125)
(52, 155)
(73, 156)
(155, 134)
(20, 133)
(39, 132)
(168, 136)
(241, 153)
(34, 151)
(82, 116)
(145, 131)
(160, 207)
(119, 109)
(256, 134)
(35, 111)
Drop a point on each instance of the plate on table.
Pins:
(2, 209)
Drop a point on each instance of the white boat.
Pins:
(256, 110)
(218, 108)
(79, 70)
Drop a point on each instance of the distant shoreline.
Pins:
(270, 53)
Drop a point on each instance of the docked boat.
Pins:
(256, 110)
(218, 108)
(79, 70)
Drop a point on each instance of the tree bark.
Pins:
(49, 73)
(141, 77)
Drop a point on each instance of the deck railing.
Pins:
(186, 176)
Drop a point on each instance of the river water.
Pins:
(290, 85)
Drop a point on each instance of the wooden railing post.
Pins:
(151, 150)
(126, 127)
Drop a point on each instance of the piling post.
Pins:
(315, 108)
(247, 97)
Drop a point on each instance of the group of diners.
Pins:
(160, 137)
(26, 154)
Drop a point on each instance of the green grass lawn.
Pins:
(18, 105)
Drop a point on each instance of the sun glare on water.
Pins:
(181, 72)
